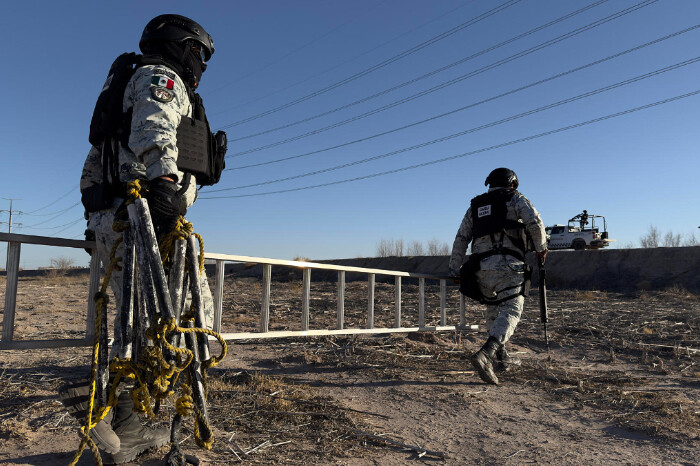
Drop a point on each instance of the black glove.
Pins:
(164, 204)
(89, 236)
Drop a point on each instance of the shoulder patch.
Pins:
(162, 81)
(165, 72)
(161, 94)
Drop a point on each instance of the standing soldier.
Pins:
(502, 226)
(582, 219)
(137, 139)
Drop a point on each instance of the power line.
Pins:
(53, 202)
(474, 104)
(478, 151)
(496, 64)
(427, 75)
(382, 64)
(59, 226)
(58, 214)
(478, 128)
(345, 62)
(11, 212)
(289, 54)
(81, 219)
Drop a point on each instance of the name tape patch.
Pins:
(484, 211)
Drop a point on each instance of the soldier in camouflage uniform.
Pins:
(502, 226)
(157, 96)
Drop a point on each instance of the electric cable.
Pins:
(59, 226)
(342, 63)
(53, 202)
(427, 75)
(289, 54)
(54, 212)
(474, 104)
(477, 128)
(382, 64)
(58, 214)
(69, 226)
(441, 86)
(465, 154)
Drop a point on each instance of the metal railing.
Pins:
(14, 246)
(13, 260)
(307, 267)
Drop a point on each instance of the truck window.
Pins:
(557, 230)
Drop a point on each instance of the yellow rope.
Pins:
(161, 374)
(101, 300)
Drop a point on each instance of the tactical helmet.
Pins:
(176, 28)
(502, 178)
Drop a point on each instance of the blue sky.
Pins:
(290, 68)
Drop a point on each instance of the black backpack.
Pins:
(109, 123)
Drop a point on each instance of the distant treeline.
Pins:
(398, 248)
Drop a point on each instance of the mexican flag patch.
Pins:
(162, 81)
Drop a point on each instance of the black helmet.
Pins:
(502, 178)
(176, 28)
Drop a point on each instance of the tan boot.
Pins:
(134, 437)
(74, 396)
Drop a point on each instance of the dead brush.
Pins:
(56, 276)
(297, 287)
(264, 412)
(624, 399)
(679, 292)
(589, 295)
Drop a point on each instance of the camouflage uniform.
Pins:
(500, 273)
(159, 99)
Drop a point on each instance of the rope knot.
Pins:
(133, 190)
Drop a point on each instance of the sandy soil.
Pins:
(619, 385)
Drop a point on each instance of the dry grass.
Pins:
(588, 295)
(268, 420)
(630, 402)
(679, 292)
(633, 359)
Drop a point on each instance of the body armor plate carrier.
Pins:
(201, 153)
(489, 218)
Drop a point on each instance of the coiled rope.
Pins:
(153, 374)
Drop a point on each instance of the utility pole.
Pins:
(11, 212)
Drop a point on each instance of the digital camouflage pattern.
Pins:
(152, 150)
(500, 273)
(101, 223)
(158, 100)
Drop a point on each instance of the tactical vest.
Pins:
(489, 213)
(489, 218)
(200, 152)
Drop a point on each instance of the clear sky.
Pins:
(318, 82)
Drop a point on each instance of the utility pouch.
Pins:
(97, 197)
(200, 152)
(193, 147)
(468, 282)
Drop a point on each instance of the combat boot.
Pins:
(504, 361)
(134, 437)
(75, 397)
(483, 360)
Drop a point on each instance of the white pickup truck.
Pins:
(577, 235)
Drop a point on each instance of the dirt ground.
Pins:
(620, 384)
